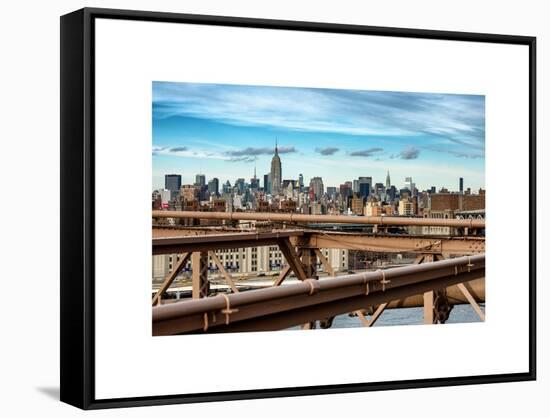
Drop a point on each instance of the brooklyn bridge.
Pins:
(446, 268)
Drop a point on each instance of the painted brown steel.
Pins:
(170, 278)
(178, 317)
(209, 242)
(455, 296)
(381, 243)
(255, 316)
(440, 268)
(303, 238)
(285, 319)
(300, 218)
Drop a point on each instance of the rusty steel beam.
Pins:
(309, 261)
(476, 289)
(170, 278)
(286, 319)
(307, 239)
(282, 275)
(293, 261)
(374, 317)
(323, 260)
(377, 243)
(226, 275)
(209, 242)
(200, 284)
(337, 219)
(219, 311)
(467, 294)
(285, 271)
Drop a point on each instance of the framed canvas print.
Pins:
(257, 208)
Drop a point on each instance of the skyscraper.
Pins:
(239, 184)
(276, 172)
(254, 181)
(200, 183)
(226, 188)
(388, 182)
(214, 187)
(172, 182)
(364, 189)
(364, 186)
(316, 187)
(200, 180)
(461, 185)
(267, 189)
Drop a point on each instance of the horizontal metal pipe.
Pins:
(338, 219)
(285, 319)
(437, 269)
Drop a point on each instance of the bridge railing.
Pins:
(333, 219)
(282, 307)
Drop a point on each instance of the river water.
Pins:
(407, 316)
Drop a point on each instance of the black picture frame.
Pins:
(77, 206)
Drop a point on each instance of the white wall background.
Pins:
(29, 237)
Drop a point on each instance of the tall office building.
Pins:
(267, 187)
(200, 183)
(276, 172)
(316, 188)
(461, 185)
(364, 190)
(226, 188)
(409, 184)
(172, 182)
(364, 186)
(239, 184)
(214, 187)
(388, 182)
(345, 190)
(200, 180)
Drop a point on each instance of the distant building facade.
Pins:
(245, 261)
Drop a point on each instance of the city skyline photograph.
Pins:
(264, 197)
(230, 131)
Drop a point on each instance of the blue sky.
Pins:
(225, 131)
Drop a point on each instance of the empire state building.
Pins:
(276, 173)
